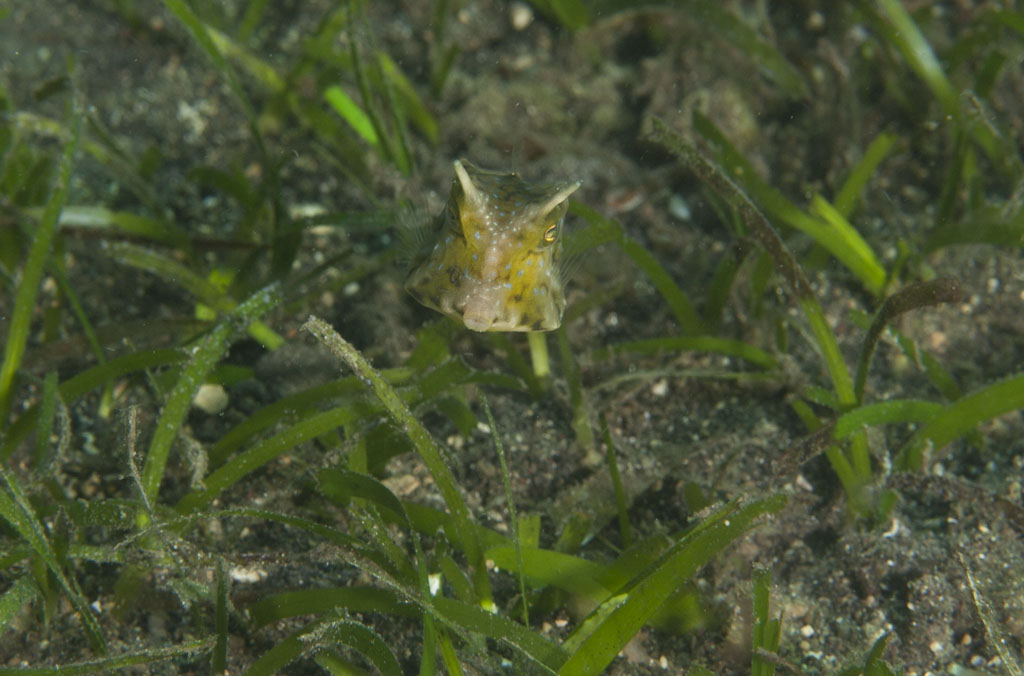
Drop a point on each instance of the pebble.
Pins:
(211, 399)
(247, 575)
(521, 15)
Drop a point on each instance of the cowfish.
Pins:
(491, 258)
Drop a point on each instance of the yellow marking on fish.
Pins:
(494, 261)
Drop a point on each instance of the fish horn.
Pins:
(559, 197)
(473, 195)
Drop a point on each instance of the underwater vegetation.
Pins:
(779, 428)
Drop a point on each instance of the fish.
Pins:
(492, 258)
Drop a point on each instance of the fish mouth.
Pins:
(480, 323)
(492, 321)
(482, 314)
(481, 307)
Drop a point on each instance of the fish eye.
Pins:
(551, 233)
